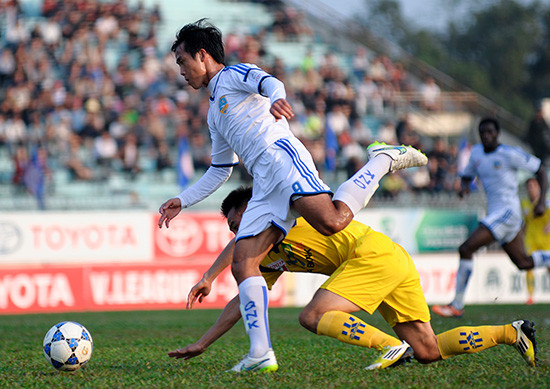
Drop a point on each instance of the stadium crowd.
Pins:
(86, 88)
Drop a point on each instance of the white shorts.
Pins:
(504, 224)
(282, 173)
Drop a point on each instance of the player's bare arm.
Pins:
(542, 179)
(281, 108)
(230, 315)
(203, 287)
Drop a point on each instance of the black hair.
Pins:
(489, 120)
(201, 35)
(236, 199)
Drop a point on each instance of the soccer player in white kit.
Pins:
(247, 119)
(496, 165)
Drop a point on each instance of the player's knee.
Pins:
(308, 319)
(427, 355)
(525, 264)
(465, 251)
(239, 269)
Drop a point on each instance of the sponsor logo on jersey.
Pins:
(223, 105)
(497, 165)
(254, 75)
(278, 265)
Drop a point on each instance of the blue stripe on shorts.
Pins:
(300, 165)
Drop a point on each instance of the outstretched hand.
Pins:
(187, 352)
(168, 211)
(281, 108)
(200, 291)
(539, 209)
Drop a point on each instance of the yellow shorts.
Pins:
(381, 275)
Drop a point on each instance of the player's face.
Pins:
(234, 219)
(192, 68)
(489, 136)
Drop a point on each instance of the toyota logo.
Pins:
(10, 238)
(182, 239)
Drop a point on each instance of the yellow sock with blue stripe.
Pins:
(350, 329)
(469, 340)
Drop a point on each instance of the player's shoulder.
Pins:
(241, 71)
(516, 153)
(509, 148)
(477, 150)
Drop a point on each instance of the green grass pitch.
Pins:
(130, 351)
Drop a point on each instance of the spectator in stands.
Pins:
(20, 162)
(163, 159)
(431, 95)
(36, 175)
(538, 135)
(129, 155)
(377, 70)
(105, 152)
(360, 63)
(438, 165)
(74, 161)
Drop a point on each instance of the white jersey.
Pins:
(497, 171)
(239, 120)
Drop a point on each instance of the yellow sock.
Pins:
(469, 340)
(530, 277)
(350, 329)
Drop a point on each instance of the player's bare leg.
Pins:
(479, 238)
(329, 216)
(422, 339)
(330, 314)
(247, 256)
(516, 251)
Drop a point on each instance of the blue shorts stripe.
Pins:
(300, 165)
(306, 173)
(501, 220)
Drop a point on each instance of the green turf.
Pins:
(130, 351)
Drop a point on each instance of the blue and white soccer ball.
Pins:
(68, 346)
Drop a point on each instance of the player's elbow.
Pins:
(329, 227)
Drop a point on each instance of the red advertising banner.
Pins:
(191, 234)
(34, 289)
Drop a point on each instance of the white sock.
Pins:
(541, 258)
(357, 191)
(465, 267)
(254, 302)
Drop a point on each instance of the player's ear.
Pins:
(202, 54)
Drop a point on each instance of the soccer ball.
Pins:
(68, 346)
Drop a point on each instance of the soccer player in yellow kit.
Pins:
(367, 271)
(536, 229)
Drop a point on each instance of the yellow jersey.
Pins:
(535, 237)
(306, 250)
